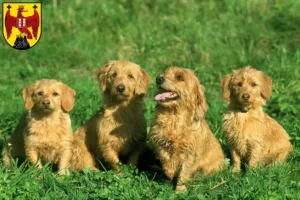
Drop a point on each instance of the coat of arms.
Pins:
(22, 24)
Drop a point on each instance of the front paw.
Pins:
(169, 174)
(236, 169)
(64, 172)
(116, 168)
(180, 188)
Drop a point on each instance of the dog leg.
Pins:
(167, 164)
(112, 158)
(33, 157)
(134, 157)
(64, 162)
(6, 158)
(185, 173)
(212, 167)
(169, 169)
(255, 156)
(281, 156)
(236, 161)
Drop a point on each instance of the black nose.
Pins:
(246, 96)
(46, 102)
(159, 80)
(121, 88)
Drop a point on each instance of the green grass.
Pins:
(211, 37)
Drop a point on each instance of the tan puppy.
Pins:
(179, 133)
(45, 133)
(119, 128)
(252, 135)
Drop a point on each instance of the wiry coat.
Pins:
(253, 136)
(119, 128)
(179, 134)
(44, 134)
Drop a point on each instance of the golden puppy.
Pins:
(119, 128)
(179, 133)
(45, 133)
(252, 135)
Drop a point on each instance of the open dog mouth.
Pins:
(166, 96)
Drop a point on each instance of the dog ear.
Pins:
(225, 87)
(266, 86)
(102, 75)
(27, 96)
(143, 83)
(68, 97)
(201, 104)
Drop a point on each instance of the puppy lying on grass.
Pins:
(253, 136)
(119, 128)
(179, 134)
(44, 134)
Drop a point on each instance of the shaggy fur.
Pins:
(81, 156)
(179, 134)
(45, 133)
(119, 128)
(252, 135)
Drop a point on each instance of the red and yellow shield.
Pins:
(22, 24)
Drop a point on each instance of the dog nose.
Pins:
(246, 96)
(159, 80)
(46, 102)
(121, 88)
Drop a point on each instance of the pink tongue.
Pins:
(162, 96)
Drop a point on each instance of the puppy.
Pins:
(179, 134)
(44, 134)
(252, 135)
(119, 129)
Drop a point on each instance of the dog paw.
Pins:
(180, 188)
(236, 169)
(170, 175)
(64, 172)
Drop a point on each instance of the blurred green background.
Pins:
(211, 37)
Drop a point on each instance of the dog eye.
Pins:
(179, 78)
(130, 76)
(114, 75)
(55, 94)
(254, 84)
(239, 84)
(40, 93)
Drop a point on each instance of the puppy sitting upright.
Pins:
(252, 135)
(179, 134)
(45, 133)
(119, 128)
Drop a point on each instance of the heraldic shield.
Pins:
(22, 24)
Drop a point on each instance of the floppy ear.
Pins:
(266, 87)
(102, 75)
(27, 96)
(68, 98)
(201, 104)
(225, 87)
(143, 83)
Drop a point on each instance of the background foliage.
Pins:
(211, 37)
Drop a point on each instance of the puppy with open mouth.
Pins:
(179, 134)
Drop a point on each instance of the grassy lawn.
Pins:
(211, 37)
